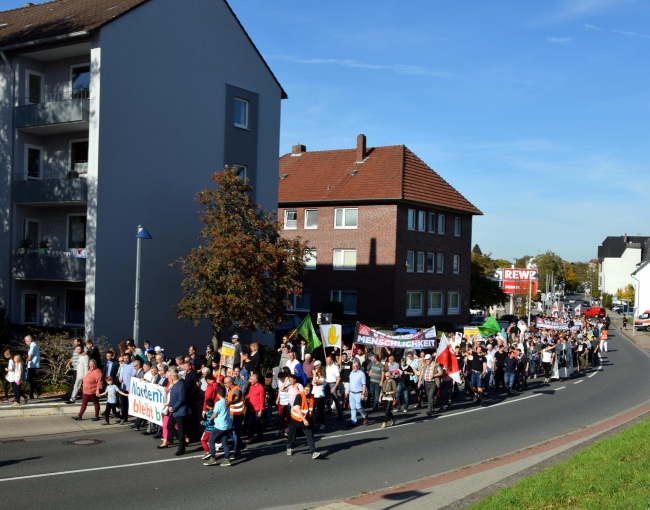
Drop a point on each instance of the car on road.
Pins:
(594, 311)
(477, 320)
(572, 300)
(642, 322)
(585, 303)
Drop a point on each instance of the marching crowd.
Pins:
(216, 405)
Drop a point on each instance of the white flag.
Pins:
(447, 358)
(577, 310)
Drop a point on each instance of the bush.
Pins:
(335, 308)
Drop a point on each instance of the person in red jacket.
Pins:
(210, 390)
(256, 404)
(92, 386)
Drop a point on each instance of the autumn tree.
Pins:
(627, 293)
(241, 272)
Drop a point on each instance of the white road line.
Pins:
(600, 367)
(578, 382)
(560, 388)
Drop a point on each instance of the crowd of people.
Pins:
(215, 405)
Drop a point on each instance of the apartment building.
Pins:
(391, 239)
(115, 113)
(619, 257)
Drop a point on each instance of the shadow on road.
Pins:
(402, 498)
(14, 462)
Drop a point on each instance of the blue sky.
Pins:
(536, 111)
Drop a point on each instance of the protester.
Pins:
(111, 393)
(357, 390)
(92, 384)
(177, 409)
(81, 370)
(9, 369)
(16, 378)
(33, 364)
(388, 392)
(302, 419)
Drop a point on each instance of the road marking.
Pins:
(578, 382)
(560, 388)
(600, 367)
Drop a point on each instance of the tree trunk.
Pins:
(215, 338)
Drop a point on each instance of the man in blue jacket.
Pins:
(177, 409)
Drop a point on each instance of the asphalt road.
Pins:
(364, 459)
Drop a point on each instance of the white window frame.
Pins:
(412, 255)
(458, 226)
(247, 103)
(65, 306)
(22, 306)
(286, 211)
(41, 162)
(67, 230)
(311, 254)
(343, 268)
(42, 91)
(455, 268)
(70, 142)
(420, 268)
(422, 221)
(414, 312)
(340, 299)
(441, 224)
(25, 229)
(435, 311)
(432, 223)
(343, 209)
(450, 310)
(433, 263)
(305, 224)
(411, 219)
(293, 298)
(239, 169)
(440, 263)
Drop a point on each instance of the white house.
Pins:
(642, 287)
(619, 257)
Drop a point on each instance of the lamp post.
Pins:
(142, 234)
(530, 290)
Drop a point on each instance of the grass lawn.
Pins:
(613, 473)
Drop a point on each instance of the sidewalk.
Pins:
(17, 428)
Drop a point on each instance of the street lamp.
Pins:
(142, 234)
(530, 290)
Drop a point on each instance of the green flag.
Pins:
(306, 330)
(489, 327)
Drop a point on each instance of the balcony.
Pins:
(56, 266)
(52, 187)
(60, 112)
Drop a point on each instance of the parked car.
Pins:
(585, 303)
(571, 301)
(594, 311)
(642, 322)
(477, 320)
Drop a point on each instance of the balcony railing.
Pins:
(80, 171)
(65, 95)
(49, 265)
(49, 113)
(71, 186)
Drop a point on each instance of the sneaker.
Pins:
(404, 411)
(105, 423)
(15, 404)
(218, 447)
(206, 456)
(365, 421)
(94, 419)
(289, 451)
(315, 455)
(225, 462)
(210, 462)
(322, 427)
(76, 418)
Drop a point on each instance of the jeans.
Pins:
(498, 377)
(374, 390)
(107, 411)
(16, 391)
(404, 394)
(33, 382)
(432, 389)
(236, 433)
(446, 391)
(486, 380)
(76, 388)
(124, 407)
(220, 436)
(255, 426)
(509, 379)
(337, 402)
(355, 405)
(320, 410)
(532, 367)
(293, 430)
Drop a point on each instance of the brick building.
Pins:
(391, 238)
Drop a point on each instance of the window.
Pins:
(453, 303)
(76, 235)
(410, 261)
(78, 157)
(32, 230)
(345, 218)
(241, 113)
(422, 219)
(457, 224)
(413, 304)
(75, 305)
(241, 171)
(430, 262)
(441, 224)
(435, 303)
(411, 219)
(310, 259)
(345, 260)
(35, 87)
(311, 218)
(33, 161)
(348, 298)
(80, 82)
(420, 262)
(290, 220)
(300, 303)
(440, 263)
(29, 308)
(432, 222)
(456, 265)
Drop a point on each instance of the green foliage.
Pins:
(483, 291)
(522, 262)
(549, 264)
(336, 308)
(241, 272)
(626, 292)
(55, 350)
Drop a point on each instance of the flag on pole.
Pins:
(306, 330)
(489, 327)
(577, 310)
(448, 359)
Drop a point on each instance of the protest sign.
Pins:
(472, 334)
(421, 340)
(227, 355)
(563, 326)
(147, 400)
(331, 335)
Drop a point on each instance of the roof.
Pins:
(389, 173)
(59, 18)
(615, 246)
(641, 266)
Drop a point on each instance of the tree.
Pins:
(550, 264)
(523, 261)
(483, 291)
(243, 270)
(571, 278)
(626, 292)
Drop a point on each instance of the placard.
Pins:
(331, 335)
(147, 400)
(227, 355)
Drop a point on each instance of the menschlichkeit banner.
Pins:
(147, 400)
(421, 340)
(562, 326)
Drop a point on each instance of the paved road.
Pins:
(364, 459)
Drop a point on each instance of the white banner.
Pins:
(147, 400)
(331, 335)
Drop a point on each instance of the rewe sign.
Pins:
(519, 274)
(516, 280)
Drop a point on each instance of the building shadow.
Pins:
(13, 462)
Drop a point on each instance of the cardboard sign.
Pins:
(147, 400)
(472, 334)
(227, 355)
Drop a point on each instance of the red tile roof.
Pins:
(387, 173)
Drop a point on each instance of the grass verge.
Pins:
(612, 473)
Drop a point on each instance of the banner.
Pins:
(331, 335)
(147, 400)
(421, 340)
(564, 326)
(227, 355)
(472, 334)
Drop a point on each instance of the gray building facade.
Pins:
(115, 123)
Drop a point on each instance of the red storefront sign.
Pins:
(516, 281)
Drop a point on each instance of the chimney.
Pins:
(297, 150)
(625, 238)
(361, 148)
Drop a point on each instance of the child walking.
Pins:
(111, 399)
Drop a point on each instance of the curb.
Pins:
(39, 410)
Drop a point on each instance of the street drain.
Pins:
(84, 442)
(13, 441)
